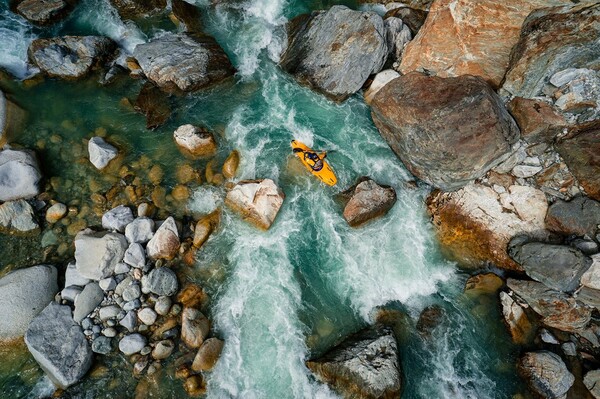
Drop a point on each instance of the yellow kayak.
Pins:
(315, 163)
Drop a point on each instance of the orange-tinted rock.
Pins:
(231, 164)
(538, 121)
(470, 37)
(518, 324)
(192, 296)
(207, 355)
(205, 227)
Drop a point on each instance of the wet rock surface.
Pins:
(257, 201)
(44, 12)
(368, 200)
(546, 373)
(132, 9)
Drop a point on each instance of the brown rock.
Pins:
(207, 355)
(195, 141)
(165, 242)
(192, 296)
(231, 164)
(194, 327)
(194, 385)
(368, 200)
(469, 37)
(518, 324)
(44, 12)
(186, 174)
(154, 104)
(188, 15)
(538, 121)
(411, 17)
(132, 9)
(429, 319)
(205, 227)
(484, 283)
(581, 152)
(180, 192)
(459, 126)
(156, 174)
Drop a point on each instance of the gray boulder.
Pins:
(365, 365)
(580, 216)
(101, 152)
(70, 57)
(446, 131)
(183, 62)
(73, 277)
(91, 296)
(161, 281)
(44, 12)
(97, 254)
(556, 266)
(19, 174)
(23, 294)
(17, 217)
(368, 200)
(117, 218)
(58, 345)
(335, 51)
(546, 374)
(592, 383)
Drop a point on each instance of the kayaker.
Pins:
(315, 159)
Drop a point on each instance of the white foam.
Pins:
(16, 34)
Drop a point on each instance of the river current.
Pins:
(281, 296)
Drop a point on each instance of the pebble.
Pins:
(117, 218)
(524, 171)
(140, 230)
(162, 305)
(102, 345)
(143, 209)
(143, 328)
(121, 268)
(109, 332)
(56, 212)
(132, 305)
(145, 350)
(108, 284)
(135, 255)
(129, 321)
(569, 349)
(70, 293)
(131, 293)
(126, 282)
(161, 281)
(131, 344)
(87, 323)
(96, 329)
(163, 349)
(109, 312)
(147, 316)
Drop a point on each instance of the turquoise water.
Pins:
(281, 296)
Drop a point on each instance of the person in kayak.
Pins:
(314, 160)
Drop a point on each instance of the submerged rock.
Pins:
(44, 12)
(205, 227)
(165, 242)
(132, 9)
(580, 216)
(368, 200)
(324, 46)
(19, 174)
(195, 141)
(58, 345)
(459, 126)
(154, 104)
(429, 319)
(23, 295)
(11, 118)
(365, 365)
(101, 152)
(17, 217)
(231, 164)
(70, 57)
(182, 62)
(475, 224)
(546, 374)
(97, 254)
(257, 201)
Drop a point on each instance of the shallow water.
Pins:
(281, 296)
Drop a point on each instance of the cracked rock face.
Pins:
(546, 373)
(257, 201)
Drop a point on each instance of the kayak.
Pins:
(325, 174)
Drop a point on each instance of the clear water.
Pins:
(281, 296)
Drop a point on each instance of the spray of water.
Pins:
(16, 34)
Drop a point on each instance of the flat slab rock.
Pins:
(97, 254)
(365, 365)
(368, 200)
(183, 62)
(44, 12)
(58, 345)
(17, 217)
(324, 46)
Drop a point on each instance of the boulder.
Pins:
(552, 40)
(520, 327)
(365, 365)
(556, 266)
(411, 17)
(592, 382)
(194, 327)
(140, 230)
(165, 242)
(469, 37)
(231, 164)
(557, 309)
(70, 57)
(188, 15)
(324, 46)
(97, 254)
(117, 218)
(23, 295)
(205, 227)
(44, 12)
(431, 317)
(133, 9)
(154, 104)
(91, 296)
(12, 118)
(195, 141)
(17, 217)
(580, 216)
(101, 152)
(538, 121)
(19, 174)
(381, 79)
(161, 281)
(581, 152)
(257, 201)
(368, 200)
(207, 355)
(397, 35)
(183, 62)
(546, 374)
(131, 344)
(58, 345)
(475, 224)
(446, 131)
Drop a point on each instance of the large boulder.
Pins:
(19, 174)
(97, 254)
(365, 365)
(368, 200)
(183, 62)
(23, 294)
(257, 201)
(475, 224)
(447, 131)
(133, 9)
(17, 217)
(552, 40)
(335, 51)
(44, 12)
(469, 37)
(546, 374)
(581, 152)
(580, 216)
(11, 119)
(58, 345)
(70, 57)
(557, 266)
(557, 309)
